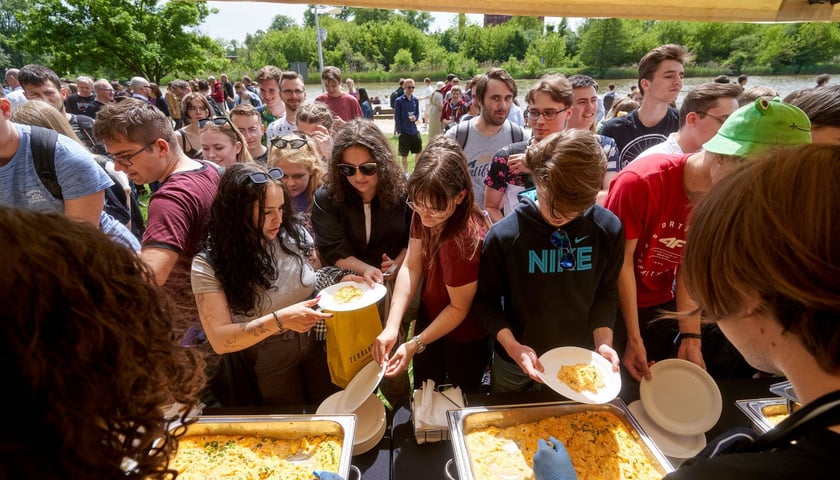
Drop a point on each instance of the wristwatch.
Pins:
(420, 345)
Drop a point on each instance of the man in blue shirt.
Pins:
(406, 109)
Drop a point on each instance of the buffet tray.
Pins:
(283, 427)
(463, 421)
(754, 409)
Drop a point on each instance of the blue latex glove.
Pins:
(553, 463)
(327, 476)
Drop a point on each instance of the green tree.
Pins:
(419, 20)
(603, 44)
(402, 61)
(9, 25)
(281, 22)
(138, 37)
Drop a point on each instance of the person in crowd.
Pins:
(621, 107)
(254, 288)
(550, 102)
(822, 80)
(609, 97)
(454, 108)
(222, 143)
(750, 95)
(721, 79)
(351, 88)
(434, 111)
(822, 105)
(742, 80)
(343, 106)
(142, 143)
(360, 215)
(660, 82)
(139, 88)
(174, 93)
(293, 93)
(447, 85)
(246, 119)
(364, 103)
(406, 111)
(703, 111)
(561, 249)
(315, 119)
(82, 183)
(447, 231)
(777, 301)
(157, 99)
(87, 354)
(204, 88)
(245, 97)
(424, 97)
(79, 102)
(584, 117)
(655, 233)
(297, 155)
(104, 94)
(515, 116)
(249, 85)
(15, 93)
(217, 94)
(268, 79)
(196, 108)
(481, 137)
(227, 87)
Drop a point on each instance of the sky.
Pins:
(236, 19)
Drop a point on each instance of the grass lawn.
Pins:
(394, 147)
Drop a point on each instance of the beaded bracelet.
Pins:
(279, 324)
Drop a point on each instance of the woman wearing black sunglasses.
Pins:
(360, 215)
(253, 285)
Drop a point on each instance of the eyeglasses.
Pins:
(719, 119)
(560, 239)
(294, 144)
(367, 169)
(109, 90)
(409, 88)
(193, 108)
(262, 177)
(428, 211)
(125, 161)
(295, 92)
(217, 121)
(549, 114)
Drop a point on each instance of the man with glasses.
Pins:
(140, 88)
(246, 119)
(141, 142)
(293, 93)
(653, 197)
(549, 108)
(406, 110)
(702, 112)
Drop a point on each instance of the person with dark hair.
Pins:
(777, 299)
(364, 103)
(562, 250)
(721, 79)
(742, 80)
(254, 287)
(157, 99)
(822, 80)
(822, 105)
(195, 107)
(447, 231)
(88, 356)
(609, 97)
(344, 106)
(360, 215)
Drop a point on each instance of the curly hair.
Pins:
(361, 132)
(306, 156)
(440, 176)
(244, 262)
(89, 351)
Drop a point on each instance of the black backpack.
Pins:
(462, 134)
(43, 142)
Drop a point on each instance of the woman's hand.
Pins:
(388, 266)
(402, 357)
(372, 275)
(324, 141)
(516, 163)
(383, 344)
(300, 317)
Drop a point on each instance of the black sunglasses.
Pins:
(367, 169)
(560, 239)
(218, 121)
(294, 144)
(262, 177)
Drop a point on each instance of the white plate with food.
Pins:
(580, 375)
(671, 444)
(348, 296)
(681, 397)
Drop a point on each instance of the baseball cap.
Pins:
(758, 125)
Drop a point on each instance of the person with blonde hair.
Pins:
(297, 155)
(315, 120)
(223, 143)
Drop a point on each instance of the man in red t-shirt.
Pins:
(343, 106)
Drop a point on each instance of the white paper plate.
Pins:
(370, 420)
(672, 445)
(330, 405)
(369, 296)
(360, 388)
(681, 397)
(555, 358)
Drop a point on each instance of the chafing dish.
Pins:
(765, 413)
(463, 421)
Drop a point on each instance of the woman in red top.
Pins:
(447, 233)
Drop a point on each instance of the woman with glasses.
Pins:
(194, 107)
(360, 215)
(297, 155)
(447, 230)
(549, 271)
(222, 143)
(253, 286)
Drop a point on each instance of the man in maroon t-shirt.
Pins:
(343, 105)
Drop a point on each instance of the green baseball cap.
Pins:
(762, 124)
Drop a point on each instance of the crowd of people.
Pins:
(519, 230)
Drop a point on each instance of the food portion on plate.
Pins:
(599, 443)
(255, 456)
(347, 294)
(582, 377)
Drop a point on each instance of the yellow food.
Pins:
(600, 445)
(774, 414)
(202, 457)
(347, 294)
(581, 376)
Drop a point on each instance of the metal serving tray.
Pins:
(754, 410)
(284, 427)
(462, 422)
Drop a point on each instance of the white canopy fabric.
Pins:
(695, 10)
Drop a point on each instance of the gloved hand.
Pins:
(553, 462)
(327, 475)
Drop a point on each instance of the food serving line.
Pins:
(397, 456)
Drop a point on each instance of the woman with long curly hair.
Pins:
(93, 380)
(360, 214)
(254, 287)
(447, 231)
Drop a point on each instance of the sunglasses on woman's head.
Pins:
(262, 177)
(294, 144)
(367, 169)
(218, 121)
(560, 239)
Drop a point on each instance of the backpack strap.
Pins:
(462, 134)
(42, 143)
(516, 133)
